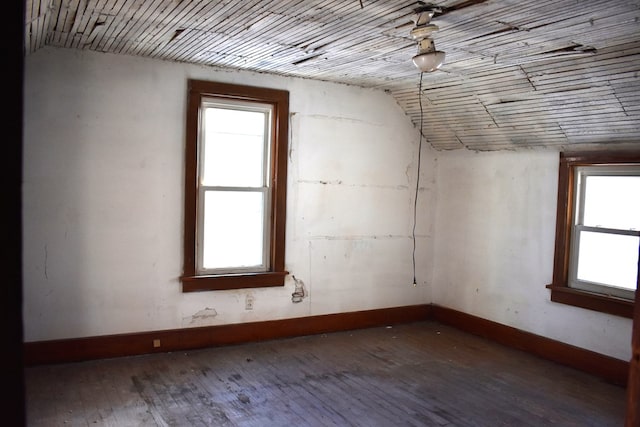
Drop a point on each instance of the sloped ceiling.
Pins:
(518, 73)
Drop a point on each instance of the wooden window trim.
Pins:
(560, 290)
(279, 99)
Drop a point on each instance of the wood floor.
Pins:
(420, 374)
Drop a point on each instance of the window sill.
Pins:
(591, 300)
(232, 281)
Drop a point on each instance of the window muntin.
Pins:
(233, 185)
(606, 230)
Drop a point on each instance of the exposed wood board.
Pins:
(510, 64)
(67, 10)
(68, 30)
(613, 51)
(458, 126)
(618, 21)
(596, 63)
(230, 16)
(593, 77)
(610, 67)
(544, 39)
(28, 9)
(512, 132)
(479, 86)
(55, 11)
(37, 26)
(195, 34)
(466, 21)
(305, 37)
(223, 42)
(367, 21)
(617, 132)
(161, 19)
(176, 20)
(555, 109)
(139, 36)
(108, 19)
(83, 23)
(531, 16)
(560, 13)
(31, 16)
(154, 25)
(306, 41)
(80, 24)
(523, 48)
(327, 32)
(575, 117)
(571, 122)
(444, 96)
(90, 25)
(596, 76)
(505, 41)
(592, 138)
(591, 94)
(75, 8)
(128, 11)
(349, 28)
(200, 48)
(628, 86)
(490, 144)
(505, 138)
(140, 21)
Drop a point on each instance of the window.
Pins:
(236, 158)
(606, 226)
(598, 231)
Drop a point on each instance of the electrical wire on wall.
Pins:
(415, 199)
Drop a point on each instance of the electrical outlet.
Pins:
(156, 343)
(248, 302)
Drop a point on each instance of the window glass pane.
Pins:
(609, 259)
(233, 148)
(612, 202)
(233, 230)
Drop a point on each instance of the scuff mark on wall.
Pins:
(46, 258)
(291, 115)
(341, 119)
(340, 182)
(300, 291)
(203, 316)
(407, 171)
(359, 237)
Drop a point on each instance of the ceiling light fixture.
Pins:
(428, 58)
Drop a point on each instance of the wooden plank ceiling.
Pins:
(518, 73)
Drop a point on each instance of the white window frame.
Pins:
(578, 227)
(264, 189)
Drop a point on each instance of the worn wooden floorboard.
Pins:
(421, 374)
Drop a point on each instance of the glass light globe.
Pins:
(429, 61)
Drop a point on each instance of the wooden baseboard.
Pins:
(81, 349)
(610, 369)
(102, 347)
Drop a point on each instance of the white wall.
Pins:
(495, 222)
(103, 171)
(103, 200)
